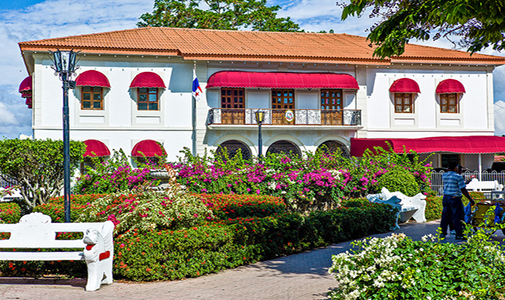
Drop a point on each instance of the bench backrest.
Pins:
(476, 185)
(35, 232)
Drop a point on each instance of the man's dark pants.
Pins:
(452, 210)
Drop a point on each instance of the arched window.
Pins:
(92, 84)
(232, 147)
(286, 147)
(333, 146)
(404, 90)
(148, 86)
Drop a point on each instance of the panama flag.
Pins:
(197, 90)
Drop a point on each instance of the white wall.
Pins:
(427, 119)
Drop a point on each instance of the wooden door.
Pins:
(232, 106)
(282, 101)
(331, 107)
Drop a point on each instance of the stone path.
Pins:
(301, 276)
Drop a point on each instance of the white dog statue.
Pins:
(98, 255)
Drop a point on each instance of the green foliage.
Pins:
(113, 175)
(36, 167)
(220, 14)
(476, 23)
(168, 209)
(398, 268)
(399, 179)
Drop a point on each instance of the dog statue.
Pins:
(98, 255)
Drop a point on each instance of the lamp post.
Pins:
(64, 66)
(260, 117)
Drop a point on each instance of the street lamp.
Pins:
(260, 117)
(64, 66)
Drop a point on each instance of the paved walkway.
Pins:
(299, 276)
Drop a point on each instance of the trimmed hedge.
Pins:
(157, 255)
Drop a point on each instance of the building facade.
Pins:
(316, 89)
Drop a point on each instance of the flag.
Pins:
(197, 90)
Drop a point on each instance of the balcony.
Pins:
(285, 117)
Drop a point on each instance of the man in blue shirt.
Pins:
(454, 188)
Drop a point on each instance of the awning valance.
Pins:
(405, 85)
(95, 148)
(92, 78)
(451, 144)
(25, 88)
(148, 148)
(450, 86)
(240, 79)
(147, 80)
(28, 102)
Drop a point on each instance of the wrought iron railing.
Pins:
(246, 116)
(438, 186)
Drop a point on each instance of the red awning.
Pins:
(92, 78)
(95, 148)
(147, 80)
(239, 79)
(405, 85)
(451, 144)
(28, 102)
(450, 86)
(25, 88)
(149, 148)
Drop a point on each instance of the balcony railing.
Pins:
(324, 117)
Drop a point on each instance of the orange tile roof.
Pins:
(200, 44)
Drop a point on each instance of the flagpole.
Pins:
(193, 108)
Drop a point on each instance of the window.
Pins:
(449, 103)
(285, 147)
(91, 98)
(331, 99)
(148, 99)
(283, 99)
(448, 158)
(232, 147)
(403, 103)
(232, 98)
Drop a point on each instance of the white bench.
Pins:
(36, 231)
(409, 207)
(483, 186)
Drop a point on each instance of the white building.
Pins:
(136, 85)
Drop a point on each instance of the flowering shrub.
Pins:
(112, 176)
(235, 206)
(9, 213)
(316, 182)
(168, 209)
(396, 267)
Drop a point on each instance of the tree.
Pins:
(221, 14)
(476, 23)
(36, 168)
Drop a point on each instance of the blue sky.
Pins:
(24, 20)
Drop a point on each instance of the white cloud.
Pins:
(51, 19)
